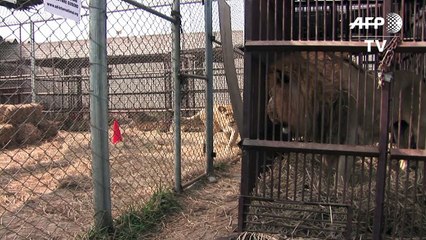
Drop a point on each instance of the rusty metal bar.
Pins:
(192, 181)
(301, 226)
(381, 167)
(414, 154)
(418, 47)
(310, 203)
(301, 147)
(150, 10)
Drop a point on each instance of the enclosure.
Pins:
(334, 143)
(54, 140)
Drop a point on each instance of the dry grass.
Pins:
(46, 189)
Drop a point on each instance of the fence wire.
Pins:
(45, 158)
(45, 140)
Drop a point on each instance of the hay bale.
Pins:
(19, 113)
(6, 134)
(27, 133)
(47, 128)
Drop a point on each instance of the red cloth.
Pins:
(116, 137)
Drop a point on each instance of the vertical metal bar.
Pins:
(296, 170)
(176, 79)
(276, 21)
(415, 21)
(342, 19)
(268, 22)
(383, 145)
(316, 21)
(99, 114)
(258, 95)
(287, 184)
(350, 19)
(308, 20)
(247, 166)
(300, 21)
(333, 21)
(280, 174)
(208, 15)
(304, 177)
(324, 18)
(311, 184)
(402, 14)
(423, 26)
(308, 86)
(291, 21)
(266, 95)
(381, 168)
(33, 70)
(20, 44)
(316, 83)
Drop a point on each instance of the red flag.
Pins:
(116, 137)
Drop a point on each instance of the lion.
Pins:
(223, 121)
(334, 90)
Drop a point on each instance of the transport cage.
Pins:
(307, 171)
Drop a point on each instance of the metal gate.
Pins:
(334, 119)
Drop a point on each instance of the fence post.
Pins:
(33, 70)
(176, 78)
(99, 115)
(209, 90)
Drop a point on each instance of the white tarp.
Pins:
(65, 8)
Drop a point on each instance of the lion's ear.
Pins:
(221, 109)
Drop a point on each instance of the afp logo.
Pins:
(393, 25)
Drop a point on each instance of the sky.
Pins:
(120, 22)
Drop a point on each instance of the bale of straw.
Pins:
(6, 134)
(47, 128)
(20, 113)
(27, 133)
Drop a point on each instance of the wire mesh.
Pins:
(140, 100)
(46, 189)
(45, 162)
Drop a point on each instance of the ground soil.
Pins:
(46, 188)
(209, 210)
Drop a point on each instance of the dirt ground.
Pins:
(209, 210)
(46, 189)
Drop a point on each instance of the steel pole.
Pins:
(176, 79)
(99, 115)
(33, 70)
(209, 90)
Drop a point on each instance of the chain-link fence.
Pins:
(45, 127)
(45, 160)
